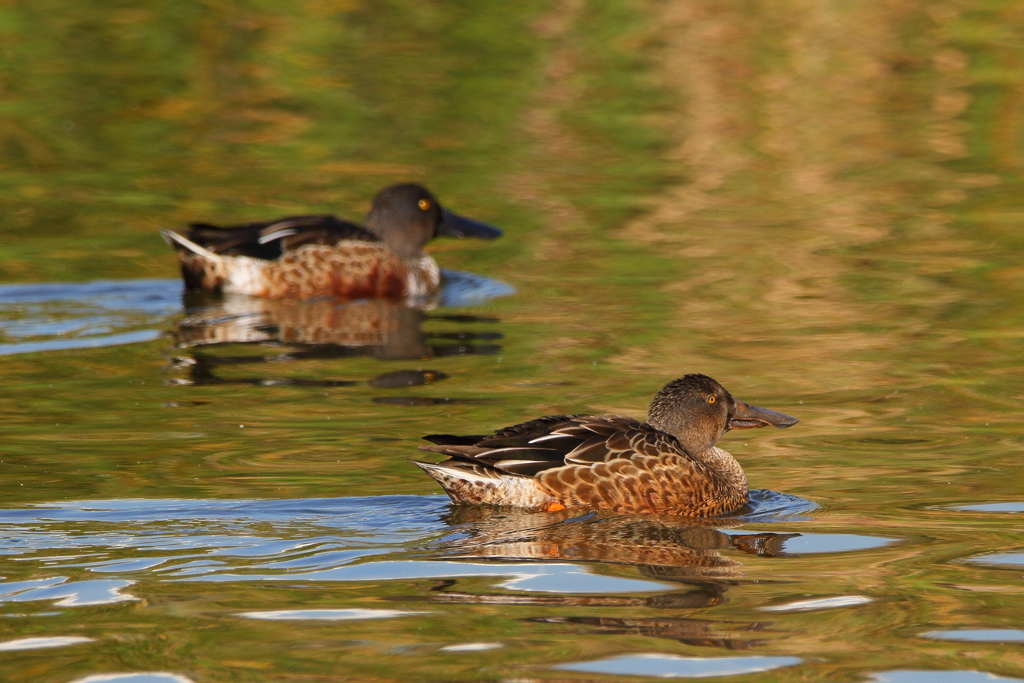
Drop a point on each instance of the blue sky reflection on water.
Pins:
(979, 635)
(64, 316)
(672, 666)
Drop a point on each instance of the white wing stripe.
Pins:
(277, 234)
(547, 437)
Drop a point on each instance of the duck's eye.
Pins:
(711, 399)
(424, 204)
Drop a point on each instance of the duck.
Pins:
(666, 465)
(301, 257)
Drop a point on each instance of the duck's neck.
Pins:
(698, 438)
(399, 240)
(398, 243)
(726, 466)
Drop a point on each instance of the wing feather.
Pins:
(592, 450)
(564, 442)
(452, 440)
(525, 467)
(522, 434)
(269, 240)
(521, 453)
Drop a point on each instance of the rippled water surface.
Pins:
(817, 204)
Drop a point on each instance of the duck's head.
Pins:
(697, 410)
(408, 216)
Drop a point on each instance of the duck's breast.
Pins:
(424, 277)
(667, 483)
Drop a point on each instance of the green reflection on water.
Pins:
(817, 205)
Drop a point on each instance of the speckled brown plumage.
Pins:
(350, 270)
(668, 465)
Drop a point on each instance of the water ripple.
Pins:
(674, 666)
(378, 539)
(57, 316)
(42, 643)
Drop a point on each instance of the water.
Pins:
(817, 205)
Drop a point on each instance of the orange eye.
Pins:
(711, 399)
(424, 204)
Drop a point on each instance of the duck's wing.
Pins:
(270, 239)
(556, 441)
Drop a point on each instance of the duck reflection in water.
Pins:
(318, 329)
(660, 547)
(581, 470)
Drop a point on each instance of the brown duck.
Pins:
(311, 256)
(668, 465)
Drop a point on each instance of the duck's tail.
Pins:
(185, 244)
(200, 267)
(471, 484)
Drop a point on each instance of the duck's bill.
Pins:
(454, 225)
(752, 417)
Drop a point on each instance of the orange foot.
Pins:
(554, 507)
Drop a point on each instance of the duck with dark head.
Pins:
(310, 256)
(669, 464)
